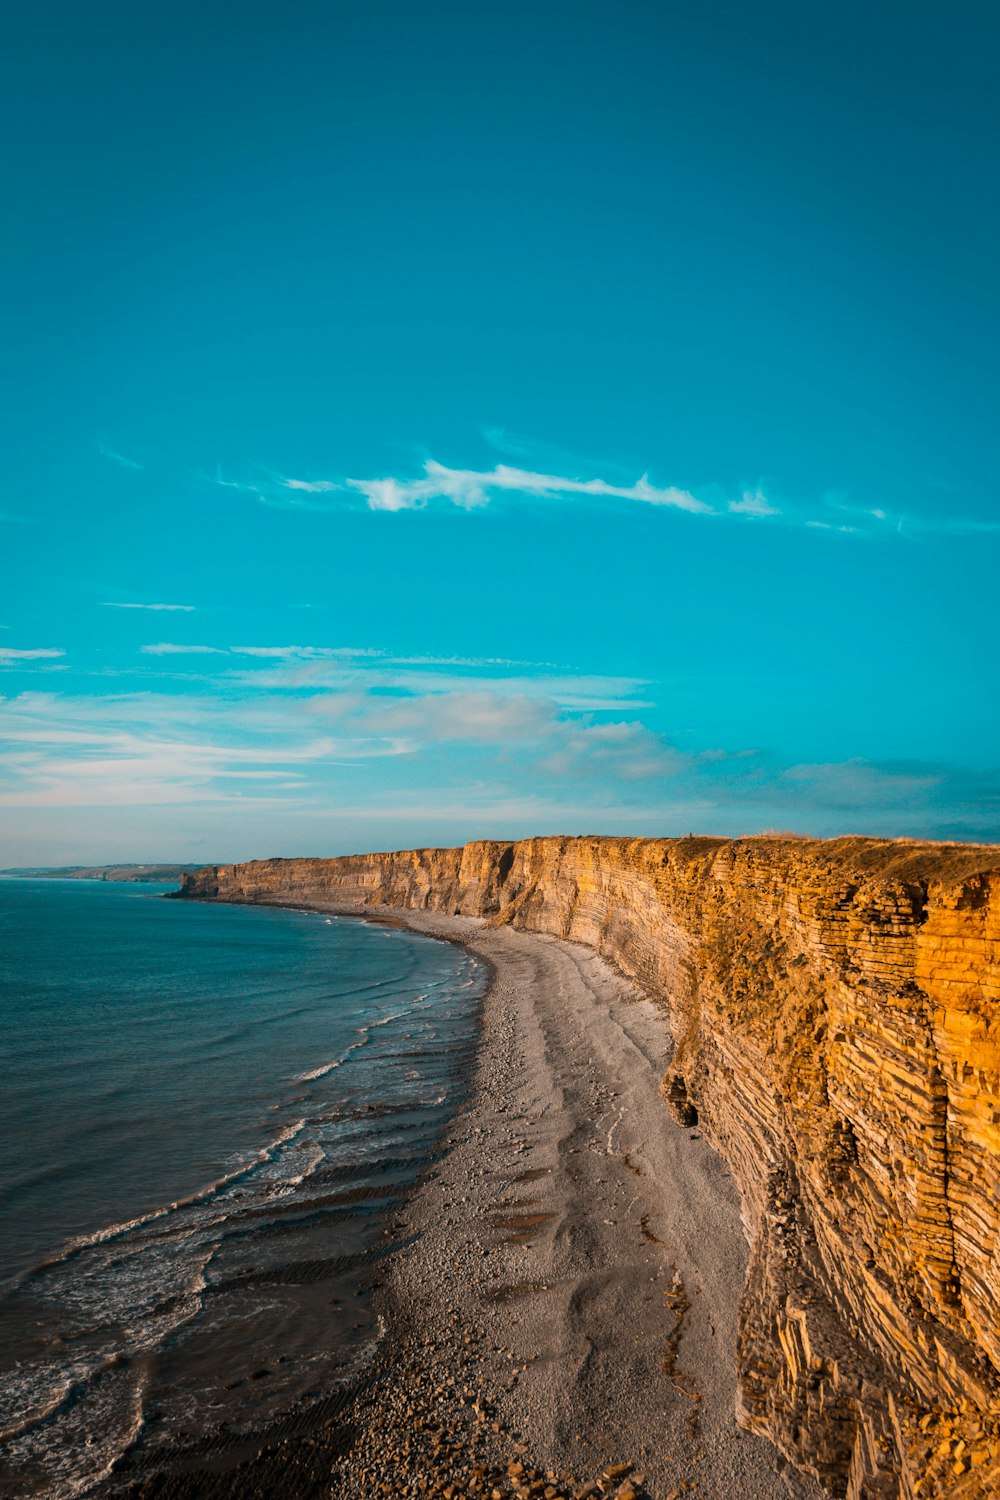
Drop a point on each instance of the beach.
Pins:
(575, 1263)
(561, 1301)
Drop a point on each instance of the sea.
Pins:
(209, 1115)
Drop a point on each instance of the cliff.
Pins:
(837, 1026)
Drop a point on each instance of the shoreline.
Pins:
(563, 1293)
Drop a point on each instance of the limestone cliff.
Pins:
(836, 1010)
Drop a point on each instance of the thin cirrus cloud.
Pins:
(471, 489)
(169, 648)
(753, 503)
(348, 751)
(474, 489)
(39, 653)
(311, 486)
(317, 669)
(137, 749)
(121, 459)
(187, 609)
(301, 671)
(374, 654)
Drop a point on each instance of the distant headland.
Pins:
(136, 873)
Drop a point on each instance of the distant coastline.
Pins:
(135, 873)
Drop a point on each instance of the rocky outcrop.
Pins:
(836, 1013)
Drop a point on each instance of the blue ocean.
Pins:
(207, 1116)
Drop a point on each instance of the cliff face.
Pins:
(836, 1011)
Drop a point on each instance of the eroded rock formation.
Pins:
(836, 1011)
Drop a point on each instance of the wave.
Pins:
(83, 1452)
(110, 1232)
(321, 1071)
(364, 1036)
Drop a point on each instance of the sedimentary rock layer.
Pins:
(836, 1013)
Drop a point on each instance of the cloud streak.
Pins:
(139, 750)
(311, 669)
(8, 654)
(168, 648)
(311, 486)
(118, 458)
(293, 721)
(753, 503)
(471, 489)
(187, 609)
(369, 740)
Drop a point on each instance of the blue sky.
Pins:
(431, 422)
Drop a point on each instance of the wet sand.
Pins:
(564, 1291)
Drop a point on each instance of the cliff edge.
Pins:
(836, 1013)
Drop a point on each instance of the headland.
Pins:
(833, 1010)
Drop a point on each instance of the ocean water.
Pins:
(207, 1114)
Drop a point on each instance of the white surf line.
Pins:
(123, 1444)
(364, 1035)
(147, 1336)
(113, 1231)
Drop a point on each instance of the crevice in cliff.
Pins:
(505, 864)
(951, 1291)
(676, 1095)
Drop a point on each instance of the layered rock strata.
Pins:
(836, 1014)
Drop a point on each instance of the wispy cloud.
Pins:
(187, 609)
(311, 669)
(610, 753)
(169, 648)
(370, 657)
(8, 654)
(476, 717)
(945, 525)
(118, 458)
(230, 484)
(311, 486)
(136, 750)
(846, 516)
(510, 444)
(862, 784)
(304, 653)
(470, 489)
(292, 721)
(467, 489)
(456, 749)
(465, 661)
(753, 503)
(567, 477)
